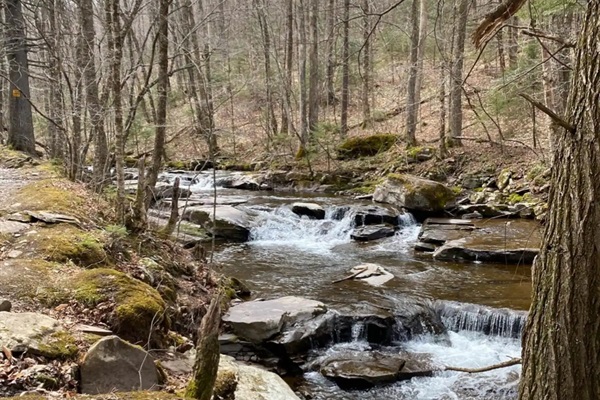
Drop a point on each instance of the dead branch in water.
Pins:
(504, 364)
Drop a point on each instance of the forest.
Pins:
(299, 199)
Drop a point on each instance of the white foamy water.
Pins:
(463, 349)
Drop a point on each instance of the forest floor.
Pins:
(62, 257)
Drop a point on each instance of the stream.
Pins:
(289, 255)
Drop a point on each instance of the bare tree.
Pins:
(345, 70)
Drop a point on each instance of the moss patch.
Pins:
(364, 146)
(62, 243)
(137, 306)
(58, 345)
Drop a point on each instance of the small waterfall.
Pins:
(358, 330)
(501, 322)
(283, 226)
(406, 219)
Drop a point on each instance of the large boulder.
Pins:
(112, 364)
(362, 146)
(373, 232)
(365, 321)
(311, 210)
(245, 182)
(361, 370)
(36, 334)
(416, 317)
(414, 193)
(246, 382)
(230, 222)
(289, 324)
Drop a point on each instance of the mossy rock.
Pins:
(137, 306)
(365, 146)
(34, 281)
(59, 345)
(59, 196)
(63, 242)
(178, 164)
(156, 276)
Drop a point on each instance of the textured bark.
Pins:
(301, 15)
(20, 126)
(345, 70)
(561, 357)
(331, 100)
(313, 87)
(413, 97)
(94, 105)
(207, 354)
(286, 114)
(55, 95)
(161, 89)
(366, 64)
(501, 57)
(457, 73)
(271, 122)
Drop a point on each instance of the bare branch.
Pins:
(554, 116)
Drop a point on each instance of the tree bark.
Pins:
(456, 117)
(271, 125)
(20, 126)
(304, 134)
(561, 356)
(345, 70)
(94, 105)
(313, 90)
(413, 97)
(161, 89)
(366, 63)
(331, 99)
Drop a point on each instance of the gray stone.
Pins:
(311, 210)
(360, 370)
(375, 215)
(12, 227)
(112, 364)
(52, 218)
(372, 232)
(373, 274)
(246, 382)
(259, 321)
(485, 210)
(414, 193)
(36, 334)
(5, 305)
(230, 223)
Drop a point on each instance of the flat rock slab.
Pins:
(259, 321)
(372, 232)
(438, 230)
(34, 333)
(113, 365)
(12, 227)
(373, 274)
(499, 241)
(51, 218)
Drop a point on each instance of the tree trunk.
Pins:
(271, 122)
(366, 64)
(95, 108)
(161, 89)
(55, 95)
(286, 117)
(456, 117)
(301, 14)
(513, 46)
(345, 70)
(331, 100)
(501, 57)
(561, 356)
(313, 91)
(413, 97)
(20, 126)
(207, 354)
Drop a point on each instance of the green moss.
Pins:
(515, 198)
(62, 243)
(225, 385)
(364, 146)
(138, 306)
(436, 194)
(160, 279)
(49, 194)
(59, 345)
(178, 164)
(130, 162)
(535, 171)
(456, 190)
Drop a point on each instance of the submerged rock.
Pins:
(112, 364)
(246, 382)
(414, 193)
(311, 210)
(36, 334)
(230, 222)
(373, 232)
(362, 370)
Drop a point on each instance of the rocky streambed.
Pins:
(368, 299)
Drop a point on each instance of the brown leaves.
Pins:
(493, 21)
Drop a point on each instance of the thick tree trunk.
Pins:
(286, 117)
(366, 64)
(501, 57)
(345, 70)
(313, 91)
(413, 97)
(456, 116)
(331, 100)
(161, 89)
(561, 357)
(95, 108)
(20, 126)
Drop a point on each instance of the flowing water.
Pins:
(289, 255)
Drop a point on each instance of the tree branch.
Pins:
(504, 364)
(554, 116)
